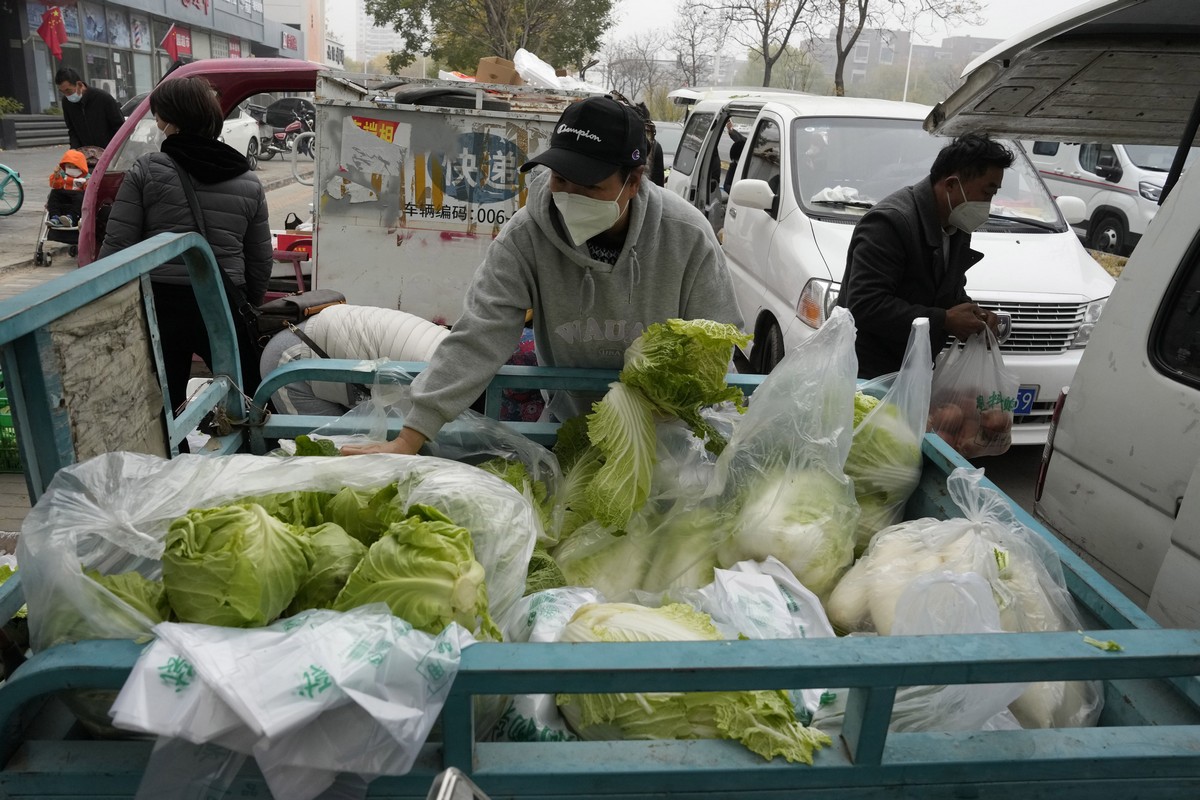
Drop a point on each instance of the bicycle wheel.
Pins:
(12, 193)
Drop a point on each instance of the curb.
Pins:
(278, 183)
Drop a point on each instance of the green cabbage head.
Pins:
(335, 554)
(235, 565)
(424, 568)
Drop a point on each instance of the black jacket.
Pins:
(94, 120)
(151, 200)
(896, 272)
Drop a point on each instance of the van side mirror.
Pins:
(1109, 169)
(1073, 209)
(752, 193)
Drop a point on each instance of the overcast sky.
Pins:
(1004, 17)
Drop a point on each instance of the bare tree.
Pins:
(697, 40)
(764, 27)
(850, 17)
(636, 65)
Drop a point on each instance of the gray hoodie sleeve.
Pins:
(484, 337)
(710, 294)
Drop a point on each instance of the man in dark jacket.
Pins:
(909, 255)
(92, 115)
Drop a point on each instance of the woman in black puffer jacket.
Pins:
(152, 200)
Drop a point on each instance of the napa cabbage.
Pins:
(763, 721)
(676, 368)
(884, 463)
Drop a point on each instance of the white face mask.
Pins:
(75, 98)
(584, 217)
(970, 215)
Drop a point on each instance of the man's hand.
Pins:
(966, 319)
(406, 444)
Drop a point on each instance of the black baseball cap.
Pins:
(592, 139)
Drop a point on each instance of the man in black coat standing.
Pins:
(909, 255)
(92, 115)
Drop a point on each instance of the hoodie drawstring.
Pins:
(587, 291)
(635, 271)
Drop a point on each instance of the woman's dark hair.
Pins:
(969, 156)
(189, 104)
(67, 75)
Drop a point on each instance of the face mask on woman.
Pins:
(969, 215)
(584, 217)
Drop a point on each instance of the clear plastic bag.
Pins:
(111, 514)
(1022, 571)
(781, 477)
(885, 454)
(973, 398)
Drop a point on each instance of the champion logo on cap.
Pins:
(637, 155)
(579, 134)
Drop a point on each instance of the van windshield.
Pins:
(843, 166)
(1157, 157)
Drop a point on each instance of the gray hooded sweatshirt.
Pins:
(585, 312)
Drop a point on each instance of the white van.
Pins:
(786, 241)
(1118, 183)
(1121, 475)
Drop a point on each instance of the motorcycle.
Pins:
(283, 140)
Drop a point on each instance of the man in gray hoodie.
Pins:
(598, 252)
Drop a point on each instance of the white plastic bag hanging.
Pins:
(974, 396)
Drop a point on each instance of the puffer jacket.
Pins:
(151, 200)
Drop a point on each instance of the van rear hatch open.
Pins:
(1107, 71)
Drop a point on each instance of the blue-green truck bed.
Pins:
(1147, 743)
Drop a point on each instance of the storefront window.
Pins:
(143, 75)
(95, 27)
(98, 70)
(118, 27)
(220, 47)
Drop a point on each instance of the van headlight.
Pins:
(1150, 191)
(1090, 317)
(817, 301)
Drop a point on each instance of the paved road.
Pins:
(19, 232)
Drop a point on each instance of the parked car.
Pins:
(1120, 478)
(668, 134)
(240, 130)
(1119, 183)
(812, 166)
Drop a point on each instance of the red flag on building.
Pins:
(53, 31)
(170, 44)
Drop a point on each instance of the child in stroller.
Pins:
(61, 220)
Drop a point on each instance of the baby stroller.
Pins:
(64, 205)
(61, 204)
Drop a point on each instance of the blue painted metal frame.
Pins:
(34, 391)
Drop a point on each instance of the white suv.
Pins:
(785, 237)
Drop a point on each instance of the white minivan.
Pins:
(1118, 183)
(1121, 475)
(813, 165)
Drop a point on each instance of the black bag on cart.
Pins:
(274, 316)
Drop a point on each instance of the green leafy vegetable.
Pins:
(884, 463)
(516, 475)
(7, 572)
(805, 518)
(304, 509)
(360, 513)
(612, 563)
(146, 596)
(424, 568)
(1108, 645)
(543, 573)
(763, 721)
(235, 565)
(334, 555)
(677, 367)
(308, 446)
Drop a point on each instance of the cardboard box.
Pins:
(561, 72)
(494, 69)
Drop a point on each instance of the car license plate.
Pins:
(1025, 397)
